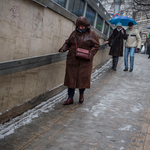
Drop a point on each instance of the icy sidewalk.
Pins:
(27, 117)
(114, 116)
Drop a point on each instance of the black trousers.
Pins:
(71, 92)
(115, 56)
(115, 62)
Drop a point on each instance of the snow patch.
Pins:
(122, 141)
(135, 109)
(126, 128)
(109, 137)
(98, 72)
(27, 117)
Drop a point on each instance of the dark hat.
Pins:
(130, 24)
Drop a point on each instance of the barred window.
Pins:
(61, 2)
(99, 23)
(106, 28)
(76, 7)
(90, 15)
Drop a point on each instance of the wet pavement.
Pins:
(114, 116)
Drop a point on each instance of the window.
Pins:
(99, 23)
(111, 31)
(76, 7)
(60, 2)
(90, 15)
(106, 28)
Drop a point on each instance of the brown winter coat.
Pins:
(78, 71)
(117, 48)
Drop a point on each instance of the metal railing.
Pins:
(14, 66)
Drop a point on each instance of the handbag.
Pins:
(111, 43)
(82, 53)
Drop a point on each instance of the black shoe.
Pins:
(148, 57)
(130, 70)
(114, 69)
(125, 70)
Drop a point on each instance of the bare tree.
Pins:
(130, 8)
(142, 6)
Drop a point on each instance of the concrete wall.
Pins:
(26, 30)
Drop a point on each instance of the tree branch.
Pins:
(141, 3)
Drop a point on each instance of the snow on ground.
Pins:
(27, 117)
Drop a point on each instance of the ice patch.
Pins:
(126, 128)
(98, 72)
(85, 109)
(109, 137)
(137, 108)
(26, 118)
(122, 141)
(122, 148)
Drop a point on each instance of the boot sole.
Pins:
(67, 104)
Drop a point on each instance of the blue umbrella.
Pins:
(148, 27)
(123, 19)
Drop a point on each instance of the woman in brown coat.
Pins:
(78, 71)
(116, 49)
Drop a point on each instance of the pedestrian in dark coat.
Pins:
(116, 49)
(78, 71)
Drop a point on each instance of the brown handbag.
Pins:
(82, 53)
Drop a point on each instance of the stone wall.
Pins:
(27, 30)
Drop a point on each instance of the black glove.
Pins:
(137, 50)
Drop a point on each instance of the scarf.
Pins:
(119, 29)
(82, 31)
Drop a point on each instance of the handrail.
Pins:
(14, 66)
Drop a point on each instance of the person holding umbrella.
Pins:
(133, 41)
(116, 49)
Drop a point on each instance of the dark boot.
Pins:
(125, 69)
(68, 101)
(81, 98)
(115, 63)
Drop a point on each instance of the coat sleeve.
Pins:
(96, 44)
(125, 35)
(67, 43)
(111, 37)
(138, 39)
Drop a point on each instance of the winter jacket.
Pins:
(134, 39)
(117, 48)
(78, 71)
